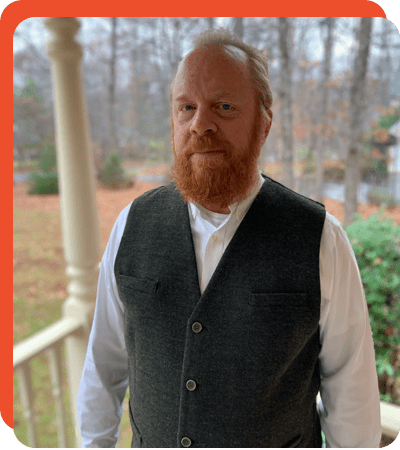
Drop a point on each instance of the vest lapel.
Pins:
(240, 249)
(180, 237)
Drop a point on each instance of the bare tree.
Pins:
(210, 21)
(285, 94)
(357, 108)
(384, 64)
(328, 22)
(238, 26)
(148, 50)
(112, 138)
(260, 32)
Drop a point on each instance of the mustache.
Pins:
(204, 143)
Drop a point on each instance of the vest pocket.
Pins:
(136, 284)
(297, 299)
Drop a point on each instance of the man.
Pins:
(225, 300)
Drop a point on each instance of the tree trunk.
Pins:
(112, 138)
(385, 70)
(322, 138)
(357, 108)
(238, 26)
(285, 95)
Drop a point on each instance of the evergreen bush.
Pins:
(376, 244)
(43, 183)
(48, 159)
(113, 174)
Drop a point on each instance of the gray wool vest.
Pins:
(238, 365)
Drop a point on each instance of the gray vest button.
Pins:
(186, 442)
(191, 385)
(197, 327)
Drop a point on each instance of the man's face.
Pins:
(217, 129)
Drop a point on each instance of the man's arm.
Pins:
(105, 373)
(350, 410)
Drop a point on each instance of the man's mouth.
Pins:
(207, 152)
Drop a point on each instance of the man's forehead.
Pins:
(213, 54)
(201, 64)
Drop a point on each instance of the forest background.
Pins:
(329, 91)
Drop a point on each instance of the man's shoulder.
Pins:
(155, 195)
(156, 201)
(280, 192)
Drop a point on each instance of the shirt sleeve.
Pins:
(105, 373)
(350, 406)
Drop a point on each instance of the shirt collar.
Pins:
(239, 209)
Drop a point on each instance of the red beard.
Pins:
(223, 180)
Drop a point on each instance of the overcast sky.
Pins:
(33, 30)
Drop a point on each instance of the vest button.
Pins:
(186, 442)
(190, 385)
(197, 327)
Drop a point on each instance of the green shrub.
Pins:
(390, 118)
(43, 183)
(48, 159)
(376, 244)
(381, 198)
(113, 174)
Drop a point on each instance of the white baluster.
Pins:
(55, 366)
(77, 194)
(27, 398)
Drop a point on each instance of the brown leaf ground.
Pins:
(111, 202)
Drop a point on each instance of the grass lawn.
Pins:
(21, 165)
(40, 288)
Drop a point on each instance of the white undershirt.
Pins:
(350, 409)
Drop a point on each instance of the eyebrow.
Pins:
(217, 95)
(180, 97)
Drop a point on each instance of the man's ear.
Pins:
(268, 122)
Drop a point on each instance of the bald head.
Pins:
(245, 55)
(202, 63)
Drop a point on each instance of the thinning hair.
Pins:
(255, 59)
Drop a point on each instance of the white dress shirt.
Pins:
(350, 409)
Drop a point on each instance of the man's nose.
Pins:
(203, 122)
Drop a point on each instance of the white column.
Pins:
(77, 193)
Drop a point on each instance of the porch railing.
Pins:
(48, 341)
(390, 419)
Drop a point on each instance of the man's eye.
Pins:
(225, 106)
(187, 107)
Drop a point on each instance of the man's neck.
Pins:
(215, 208)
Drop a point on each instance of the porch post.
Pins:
(77, 194)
